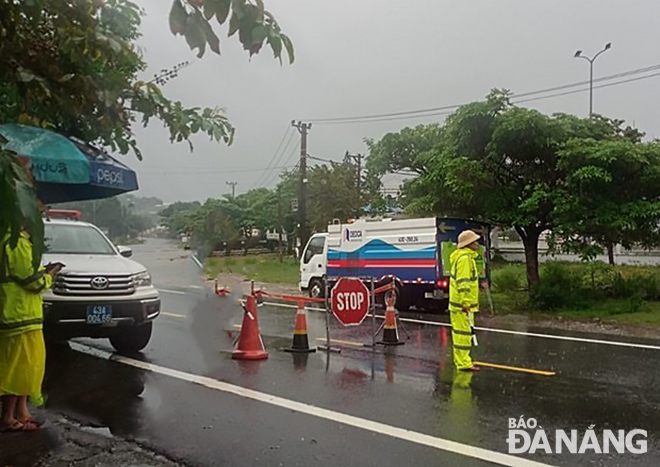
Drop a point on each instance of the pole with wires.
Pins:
(303, 128)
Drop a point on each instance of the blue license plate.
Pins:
(99, 314)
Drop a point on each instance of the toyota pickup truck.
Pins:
(100, 293)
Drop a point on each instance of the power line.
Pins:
(575, 91)
(320, 159)
(269, 178)
(202, 172)
(291, 154)
(445, 110)
(513, 100)
(596, 80)
(272, 159)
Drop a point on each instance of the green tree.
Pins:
(407, 151)
(117, 216)
(514, 167)
(180, 206)
(73, 65)
(333, 194)
(611, 196)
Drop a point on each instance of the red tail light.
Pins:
(443, 284)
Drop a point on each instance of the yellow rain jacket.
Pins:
(21, 305)
(463, 292)
(464, 280)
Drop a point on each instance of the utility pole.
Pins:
(233, 188)
(279, 222)
(358, 159)
(302, 128)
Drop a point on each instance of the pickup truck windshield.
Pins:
(76, 239)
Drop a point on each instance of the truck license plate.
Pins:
(99, 314)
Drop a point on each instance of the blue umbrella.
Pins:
(67, 169)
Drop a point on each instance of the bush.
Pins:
(560, 286)
(510, 278)
(628, 285)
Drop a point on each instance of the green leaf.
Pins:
(237, 7)
(178, 18)
(276, 45)
(234, 24)
(66, 78)
(25, 75)
(27, 200)
(195, 36)
(211, 37)
(210, 8)
(248, 22)
(289, 47)
(222, 10)
(259, 33)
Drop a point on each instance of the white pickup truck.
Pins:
(100, 292)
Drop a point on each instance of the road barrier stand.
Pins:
(250, 346)
(221, 291)
(390, 331)
(300, 339)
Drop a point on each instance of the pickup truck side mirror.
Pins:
(125, 251)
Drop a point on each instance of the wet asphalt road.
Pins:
(412, 386)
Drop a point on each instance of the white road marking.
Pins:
(176, 292)
(196, 287)
(197, 262)
(508, 331)
(173, 315)
(319, 412)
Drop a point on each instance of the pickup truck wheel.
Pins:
(132, 339)
(316, 289)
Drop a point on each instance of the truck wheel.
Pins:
(132, 339)
(316, 289)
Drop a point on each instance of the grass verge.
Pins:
(509, 296)
(261, 268)
(617, 294)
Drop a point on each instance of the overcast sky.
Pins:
(362, 57)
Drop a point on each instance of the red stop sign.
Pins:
(350, 301)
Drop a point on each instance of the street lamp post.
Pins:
(591, 61)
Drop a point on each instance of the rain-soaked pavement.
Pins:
(412, 387)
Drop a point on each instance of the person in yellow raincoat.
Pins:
(464, 298)
(22, 349)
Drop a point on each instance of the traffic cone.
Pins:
(300, 339)
(390, 332)
(249, 345)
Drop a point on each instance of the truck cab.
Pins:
(313, 265)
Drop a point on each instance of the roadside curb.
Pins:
(197, 261)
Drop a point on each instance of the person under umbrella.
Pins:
(22, 348)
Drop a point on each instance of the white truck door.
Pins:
(313, 262)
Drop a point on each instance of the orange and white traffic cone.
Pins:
(390, 331)
(300, 339)
(250, 346)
